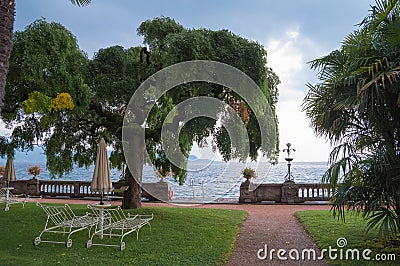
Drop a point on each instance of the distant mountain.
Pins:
(35, 156)
(38, 156)
(192, 158)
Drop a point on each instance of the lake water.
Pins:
(205, 179)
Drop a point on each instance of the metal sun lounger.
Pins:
(62, 220)
(8, 198)
(114, 222)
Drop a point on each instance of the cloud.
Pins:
(294, 128)
(293, 34)
(288, 55)
(3, 130)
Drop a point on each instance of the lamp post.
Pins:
(289, 159)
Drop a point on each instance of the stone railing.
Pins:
(80, 189)
(287, 192)
(314, 192)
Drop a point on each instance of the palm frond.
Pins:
(80, 3)
(380, 13)
(384, 220)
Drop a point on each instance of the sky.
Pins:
(293, 33)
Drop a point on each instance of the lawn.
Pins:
(326, 230)
(178, 236)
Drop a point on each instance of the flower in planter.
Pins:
(34, 170)
(249, 173)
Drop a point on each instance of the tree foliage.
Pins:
(45, 87)
(357, 106)
(47, 68)
(7, 12)
(172, 43)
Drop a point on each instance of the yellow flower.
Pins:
(62, 101)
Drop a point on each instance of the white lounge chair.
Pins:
(114, 222)
(62, 220)
(8, 198)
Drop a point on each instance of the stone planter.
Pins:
(247, 195)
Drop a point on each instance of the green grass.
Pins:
(178, 236)
(325, 230)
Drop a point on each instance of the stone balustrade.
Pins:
(80, 189)
(287, 192)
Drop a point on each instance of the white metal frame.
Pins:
(114, 222)
(8, 198)
(62, 220)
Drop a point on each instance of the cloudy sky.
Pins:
(293, 33)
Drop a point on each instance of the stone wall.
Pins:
(287, 192)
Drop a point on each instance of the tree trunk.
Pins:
(133, 177)
(7, 11)
(132, 197)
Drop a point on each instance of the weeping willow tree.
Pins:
(356, 106)
(165, 44)
(7, 13)
(100, 89)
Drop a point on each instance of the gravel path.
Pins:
(271, 225)
(278, 228)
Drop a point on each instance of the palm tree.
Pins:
(357, 107)
(80, 2)
(7, 12)
(7, 9)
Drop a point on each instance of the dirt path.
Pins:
(271, 225)
(278, 228)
